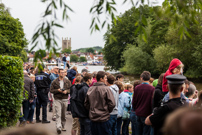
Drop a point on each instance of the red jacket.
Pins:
(173, 64)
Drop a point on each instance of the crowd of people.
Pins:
(102, 104)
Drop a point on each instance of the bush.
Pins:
(137, 61)
(11, 89)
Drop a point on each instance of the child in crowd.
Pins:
(124, 108)
(76, 125)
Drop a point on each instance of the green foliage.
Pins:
(68, 51)
(84, 50)
(90, 50)
(74, 58)
(12, 37)
(123, 33)
(137, 61)
(163, 55)
(82, 59)
(11, 88)
(23, 56)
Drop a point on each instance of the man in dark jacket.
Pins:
(28, 94)
(42, 83)
(78, 95)
(100, 102)
(60, 87)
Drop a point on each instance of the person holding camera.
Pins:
(60, 87)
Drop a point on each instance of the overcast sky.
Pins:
(29, 13)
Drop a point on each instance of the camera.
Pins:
(62, 89)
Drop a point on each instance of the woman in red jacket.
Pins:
(176, 67)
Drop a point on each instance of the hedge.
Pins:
(11, 90)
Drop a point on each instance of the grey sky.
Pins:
(29, 13)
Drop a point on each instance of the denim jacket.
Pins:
(125, 99)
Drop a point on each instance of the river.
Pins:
(130, 78)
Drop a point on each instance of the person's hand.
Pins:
(30, 101)
(60, 90)
(64, 92)
(35, 95)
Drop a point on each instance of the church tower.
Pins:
(66, 43)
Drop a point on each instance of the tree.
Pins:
(120, 35)
(82, 59)
(66, 51)
(74, 58)
(12, 37)
(90, 50)
(137, 61)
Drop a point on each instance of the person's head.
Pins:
(136, 83)
(28, 130)
(25, 72)
(32, 77)
(94, 74)
(101, 77)
(61, 73)
(88, 78)
(191, 91)
(120, 86)
(110, 80)
(65, 72)
(160, 79)
(74, 68)
(55, 70)
(175, 83)
(184, 121)
(186, 86)
(129, 87)
(78, 79)
(84, 71)
(151, 81)
(176, 66)
(145, 76)
(178, 69)
(120, 77)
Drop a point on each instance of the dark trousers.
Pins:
(21, 117)
(142, 128)
(119, 124)
(25, 106)
(85, 126)
(31, 111)
(113, 124)
(133, 122)
(42, 97)
(100, 128)
(125, 130)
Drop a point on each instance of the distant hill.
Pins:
(83, 50)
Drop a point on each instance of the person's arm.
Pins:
(31, 96)
(110, 100)
(53, 90)
(67, 91)
(86, 102)
(147, 120)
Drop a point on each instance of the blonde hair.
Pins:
(177, 69)
(128, 86)
(74, 68)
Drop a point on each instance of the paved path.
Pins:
(51, 127)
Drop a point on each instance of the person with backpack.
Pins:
(64, 60)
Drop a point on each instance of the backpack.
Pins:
(64, 58)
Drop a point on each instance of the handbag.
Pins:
(126, 115)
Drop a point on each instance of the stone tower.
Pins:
(66, 43)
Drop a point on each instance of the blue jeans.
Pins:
(85, 126)
(64, 62)
(25, 106)
(142, 128)
(31, 111)
(119, 124)
(125, 126)
(100, 128)
(133, 122)
(113, 124)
